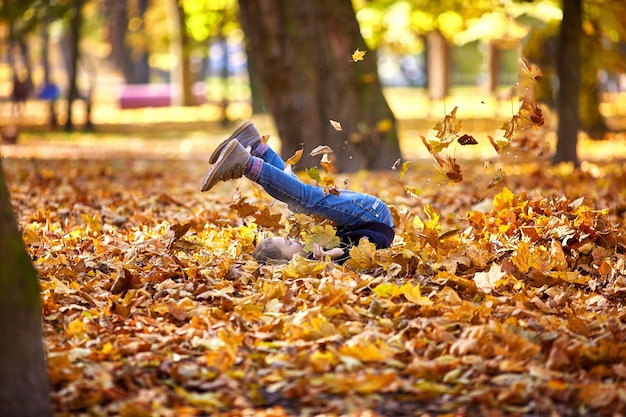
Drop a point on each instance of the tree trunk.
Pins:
(181, 79)
(74, 54)
(24, 385)
(494, 58)
(569, 76)
(438, 65)
(301, 51)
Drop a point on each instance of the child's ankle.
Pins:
(259, 149)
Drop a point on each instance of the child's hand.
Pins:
(318, 251)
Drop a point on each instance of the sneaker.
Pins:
(230, 164)
(247, 134)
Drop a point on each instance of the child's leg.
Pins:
(266, 153)
(346, 209)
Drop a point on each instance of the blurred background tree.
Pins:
(193, 52)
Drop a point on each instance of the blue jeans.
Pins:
(349, 208)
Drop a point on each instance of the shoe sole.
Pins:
(227, 149)
(216, 153)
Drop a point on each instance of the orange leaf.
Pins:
(295, 157)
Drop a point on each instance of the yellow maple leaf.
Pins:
(522, 258)
(358, 55)
(301, 267)
(325, 236)
(363, 256)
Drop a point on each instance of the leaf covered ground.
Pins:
(503, 294)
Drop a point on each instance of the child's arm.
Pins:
(319, 252)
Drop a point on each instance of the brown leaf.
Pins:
(265, 219)
(467, 140)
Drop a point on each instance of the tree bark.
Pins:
(181, 78)
(74, 55)
(24, 384)
(301, 51)
(569, 76)
(438, 65)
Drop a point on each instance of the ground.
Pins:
(502, 294)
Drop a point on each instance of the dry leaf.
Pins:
(295, 157)
(336, 125)
(358, 55)
(321, 150)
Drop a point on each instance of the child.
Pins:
(356, 215)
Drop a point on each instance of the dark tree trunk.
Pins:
(301, 51)
(132, 60)
(224, 75)
(24, 385)
(47, 82)
(180, 47)
(73, 38)
(569, 76)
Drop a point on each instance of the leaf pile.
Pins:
(153, 306)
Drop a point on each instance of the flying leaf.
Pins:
(295, 157)
(358, 55)
(498, 144)
(327, 164)
(405, 168)
(449, 168)
(531, 71)
(447, 129)
(321, 150)
(243, 208)
(314, 174)
(467, 140)
(426, 144)
(497, 179)
(336, 125)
